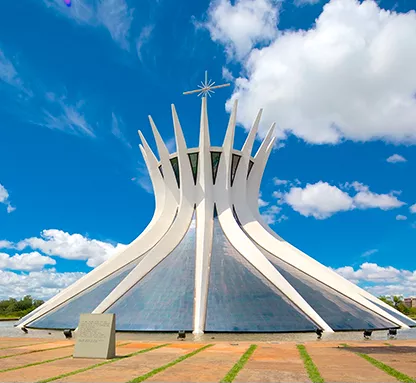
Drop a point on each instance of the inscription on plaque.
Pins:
(96, 336)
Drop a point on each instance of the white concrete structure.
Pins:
(207, 261)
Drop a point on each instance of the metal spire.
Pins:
(207, 87)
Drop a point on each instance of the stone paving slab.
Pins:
(210, 365)
(23, 360)
(17, 342)
(274, 363)
(400, 356)
(36, 373)
(37, 347)
(341, 365)
(130, 368)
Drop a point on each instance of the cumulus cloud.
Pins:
(4, 199)
(400, 217)
(380, 280)
(321, 200)
(271, 215)
(413, 209)
(113, 15)
(396, 158)
(242, 24)
(71, 246)
(299, 3)
(40, 284)
(25, 262)
(351, 76)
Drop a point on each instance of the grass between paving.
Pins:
(166, 366)
(24, 345)
(101, 364)
(33, 351)
(45, 361)
(310, 366)
(239, 365)
(344, 344)
(387, 369)
(35, 364)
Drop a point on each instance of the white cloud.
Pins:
(351, 76)
(113, 15)
(380, 280)
(39, 284)
(243, 24)
(368, 200)
(143, 39)
(276, 181)
(143, 179)
(413, 209)
(226, 74)
(299, 3)
(6, 244)
(65, 116)
(400, 217)
(396, 158)
(262, 203)
(116, 129)
(270, 215)
(25, 262)
(369, 252)
(321, 200)
(4, 199)
(71, 246)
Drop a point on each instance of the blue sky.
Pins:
(77, 83)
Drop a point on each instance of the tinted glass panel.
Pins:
(161, 170)
(215, 160)
(241, 299)
(175, 166)
(67, 316)
(163, 299)
(250, 166)
(234, 166)
(340, 312)
(393, 313)
(193, 159)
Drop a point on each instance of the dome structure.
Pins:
(208, 263)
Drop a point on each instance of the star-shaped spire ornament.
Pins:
(206, 88)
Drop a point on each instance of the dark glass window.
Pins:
(193, 159)
(250, 166)
(393, 313)
(163, 300)
(67, 315)
(241, 299)
(336, 309)
(161, 170)
(215, 160)
(234, 165)
(175, 165)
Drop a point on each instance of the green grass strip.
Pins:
(343, 344)
(239, 365)
(46, 361)
(166, 366)
(310, 366)
(35, 364)
(33, 351)
(387, 369)
(24, 345)
(101, 364)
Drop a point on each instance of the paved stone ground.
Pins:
(271, 362)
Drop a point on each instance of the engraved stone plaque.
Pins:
(96, 336)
